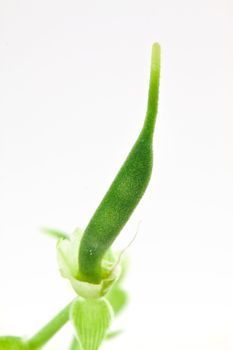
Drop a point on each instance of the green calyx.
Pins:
(125, 192)
(67, 249)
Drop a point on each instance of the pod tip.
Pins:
(156, 46)
(155, 53)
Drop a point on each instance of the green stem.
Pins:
(50, 329)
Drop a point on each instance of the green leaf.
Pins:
(118, 298)
(54, 233)
(12, 343)
(91, 319)
(113, 334)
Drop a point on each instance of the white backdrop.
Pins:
(73, 86)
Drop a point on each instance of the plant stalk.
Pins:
(50, 329)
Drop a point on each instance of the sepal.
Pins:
(118, 298)
(91, 319)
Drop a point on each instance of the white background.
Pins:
(73, 89)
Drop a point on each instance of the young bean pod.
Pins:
(126, 190)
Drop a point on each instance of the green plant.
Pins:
(86, 258)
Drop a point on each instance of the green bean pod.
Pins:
(125, 191)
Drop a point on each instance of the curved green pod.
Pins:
(125, 191)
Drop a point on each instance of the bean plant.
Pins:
(86, 257)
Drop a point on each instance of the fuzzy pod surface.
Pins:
(125, 191)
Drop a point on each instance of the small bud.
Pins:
(91, 319)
